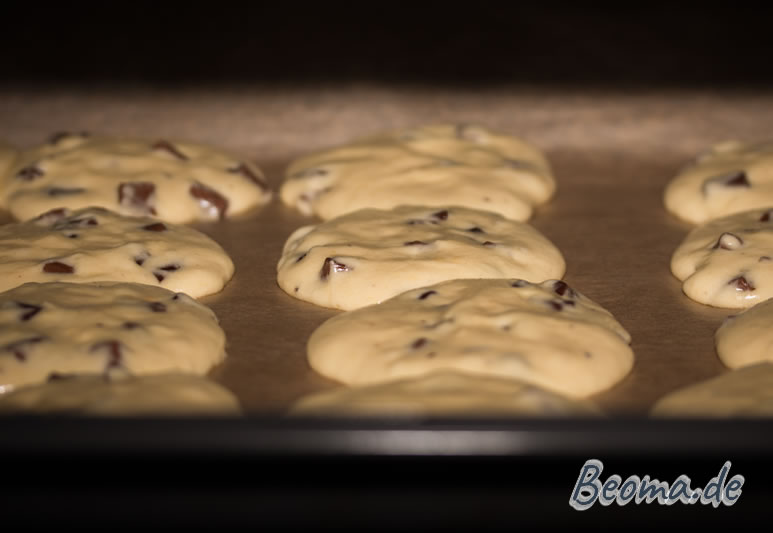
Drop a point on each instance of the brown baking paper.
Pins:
(612, 155)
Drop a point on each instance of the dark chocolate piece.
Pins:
(137, 194)
(562, 289)
(170, 148)
(209, 199)
(414, 243)
(418, 343)
(733, 179)
(157, 307)
(114, 352)
(245, 171)
(16, 347)
(742, 284)
(427, 294)
(476, 229)
(56, 267)
(158, 226)
(329, 264)
(30, 310)
(30, 173)
(441, 215)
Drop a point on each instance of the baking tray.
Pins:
(612, 153)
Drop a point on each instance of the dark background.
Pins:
(463, 43)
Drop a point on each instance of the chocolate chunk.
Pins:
(130, 325)
(210, 200)
(140, 259)
(489, 243)
(765, 216)
(137, 195)
(415, 222)
(170, 267)
(114, 352)
(301, 257)
(30, 173)
(176, 296)
(158, 226)
(764, 258)
(56, 267)
(16, 347)
(742, 284)
(310, 173)
(733, 179)
(63, 191)
(30, 310)
(78, 223)
(157, 307)
(558, 305)
(441, 215)
(52, 216)
(427, 294)
(160, 277)
(329, 264)
(728, 241)
(520, 283)
(562, 289)
(414, 243)
(170, 148)
(245, 171)
(72, 236)
(418, 343)
(476, 229)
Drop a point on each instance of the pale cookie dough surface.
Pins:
(79, 328)
(174, 181)
(94, 244)
(370, 255)
(443, 394)
(729, 178)
(466, 165)
(746, 392)
(728, 262)
(747, 338)
(545, 334)
(99, 395)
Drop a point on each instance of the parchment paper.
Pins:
(612, 154)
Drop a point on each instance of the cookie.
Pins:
(121, 395)
(370, 255)
(174, 181)
(8, 155)
(729, 178)
(82, 328)
(728, 262)
(442, 393)
(747, 338)
(94, 244)
(545, 334)
(746, 392)
(465, 165)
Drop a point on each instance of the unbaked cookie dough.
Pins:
(443, 393)
(746, 392)
(747, 338)
(120, 395)
(82, 328)
(545, 334)
(8, 155)
(729, 178)
(370, 255)
(174, 181)
(94, 244)
(728, 262)
(466, 165)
